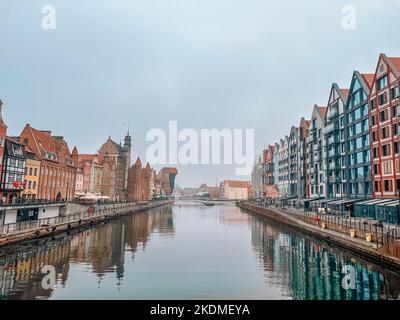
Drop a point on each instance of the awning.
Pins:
(392, 203)
(374, 202)
(343, 201)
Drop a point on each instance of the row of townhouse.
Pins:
(39, 175)
(349, 148)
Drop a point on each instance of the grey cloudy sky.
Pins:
(205, 63)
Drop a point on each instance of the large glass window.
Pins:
(359, 157)
(357, 128)
(359, 142)
(357, 113)
(382, 82)
(360, 172)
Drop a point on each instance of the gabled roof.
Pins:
(237, 183)
(368, 78)
(44, 144)
(395, 61)
(345, 93)
(322, 111)
(169, 170)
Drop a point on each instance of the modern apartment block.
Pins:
(276, 167)
(257, 176)
(283, 183)
(357, 137)
(384, 119)
(335, 151)
(293, 165)
(303, 179)
(315, 151)
(269, 180)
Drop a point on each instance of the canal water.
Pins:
(189, 251)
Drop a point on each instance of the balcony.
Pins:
(333, 139)
(332, 153)
(333, 166)
(334, 179)
(330, 127)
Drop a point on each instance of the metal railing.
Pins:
(381, 235)
(50, 223)
(22, 202)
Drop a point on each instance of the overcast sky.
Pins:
(207, 64)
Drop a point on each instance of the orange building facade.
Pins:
(58, 171)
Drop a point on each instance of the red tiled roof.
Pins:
(345, 92)
(44, 140)
(237, 183)
(395, 62)
(170, 170)
(87, 157)
(322, 110)
(369, 78)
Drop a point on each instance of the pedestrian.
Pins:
(316, 218)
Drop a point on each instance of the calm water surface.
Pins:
(189, 251)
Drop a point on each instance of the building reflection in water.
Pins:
(306, 269)
(103, 247)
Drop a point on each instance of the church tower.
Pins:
(128, 152)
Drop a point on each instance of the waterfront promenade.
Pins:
(84, 216)
(383, 245)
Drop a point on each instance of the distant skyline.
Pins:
(206, 64)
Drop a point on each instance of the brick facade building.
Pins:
(58, 170)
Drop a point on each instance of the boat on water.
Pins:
(208, 203)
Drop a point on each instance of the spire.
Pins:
(75, 151)
(128, 140)
(148, 168)
(138, 162)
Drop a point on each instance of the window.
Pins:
(375, 152)
(382, 98)
(357, 113)
(358, 142)
(385, 132)
(383, 115)
(376, 169)
(373, 120)
(394, 92)
(382, 82)
(357, 128)
(387, 167)
(385, 150)
(397, 147)
(374, 136)
(372, 103)
(367, 156)
(387, 185)
(377, 186)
